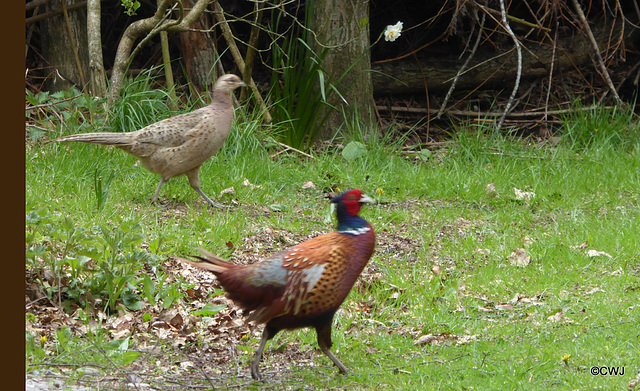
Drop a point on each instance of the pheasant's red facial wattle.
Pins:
(353, 207)
(352, 202)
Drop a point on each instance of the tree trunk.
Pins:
(199, 54)
(65, 46)
(97, 78)
(343, 26)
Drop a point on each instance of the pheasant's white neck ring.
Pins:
(355, 231)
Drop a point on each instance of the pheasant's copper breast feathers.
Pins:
(304, 285)
(327, 266)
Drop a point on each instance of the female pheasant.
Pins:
(304, 285)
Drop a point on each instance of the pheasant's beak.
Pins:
(366, 199)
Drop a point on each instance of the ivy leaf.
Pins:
(354, 150)
(209, 309)
(132, 301)
(424, 154)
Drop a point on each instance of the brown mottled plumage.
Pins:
(304, 285)
(177, 145)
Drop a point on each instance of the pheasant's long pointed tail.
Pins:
(208, 261)
(97, 138)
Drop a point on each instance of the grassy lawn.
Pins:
(470, 287)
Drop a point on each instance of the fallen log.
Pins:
(490, 69)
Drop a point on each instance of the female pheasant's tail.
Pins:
(209, 261)
(103, 138)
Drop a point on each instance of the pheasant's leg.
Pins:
(155, 196)
(324, 341)
(194, 181)
(255, 365)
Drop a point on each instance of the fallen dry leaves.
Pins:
(521, 195)
(437, 339)
(519, 258)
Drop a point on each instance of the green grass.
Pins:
(499, 326)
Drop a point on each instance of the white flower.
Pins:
(392, 32)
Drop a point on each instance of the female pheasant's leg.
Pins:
(194, 181)
(155, 196)
(255, 365)
(324, 341)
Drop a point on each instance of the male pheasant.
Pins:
(180, 144)
(304, 285)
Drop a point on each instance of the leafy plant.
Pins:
(298, 88)
(94, 260)
(354, 150)
(140, 104)
(69, 109)
(102, 191)
(34, 349)
(130, 6)
(160, 291)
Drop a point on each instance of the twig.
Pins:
(127, 378)
(514, 19)
(635, 5)
(35, 4)
(49, 104)
(47, 15)
(464, 66)
(553, 57)
(252, 47)
(26, 307)
(51, 364)
(497, 56)
(39, 128)
(436, 39)
(161, 25)
(287, 147)
(519, 71)
(387, 370)
(429, 145)
(629, 73)
(596, 49)
(200, 367)
(228, 36)
(27, 42)
(513, 155)
(467, 113)
(166, 63)
(152, 26)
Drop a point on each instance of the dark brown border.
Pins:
(13, 160)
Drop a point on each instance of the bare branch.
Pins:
(603, 68)
(153, 25)
(553, 58)
(505, 24)
(228, 36)
(251, 47)
(463, 67)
